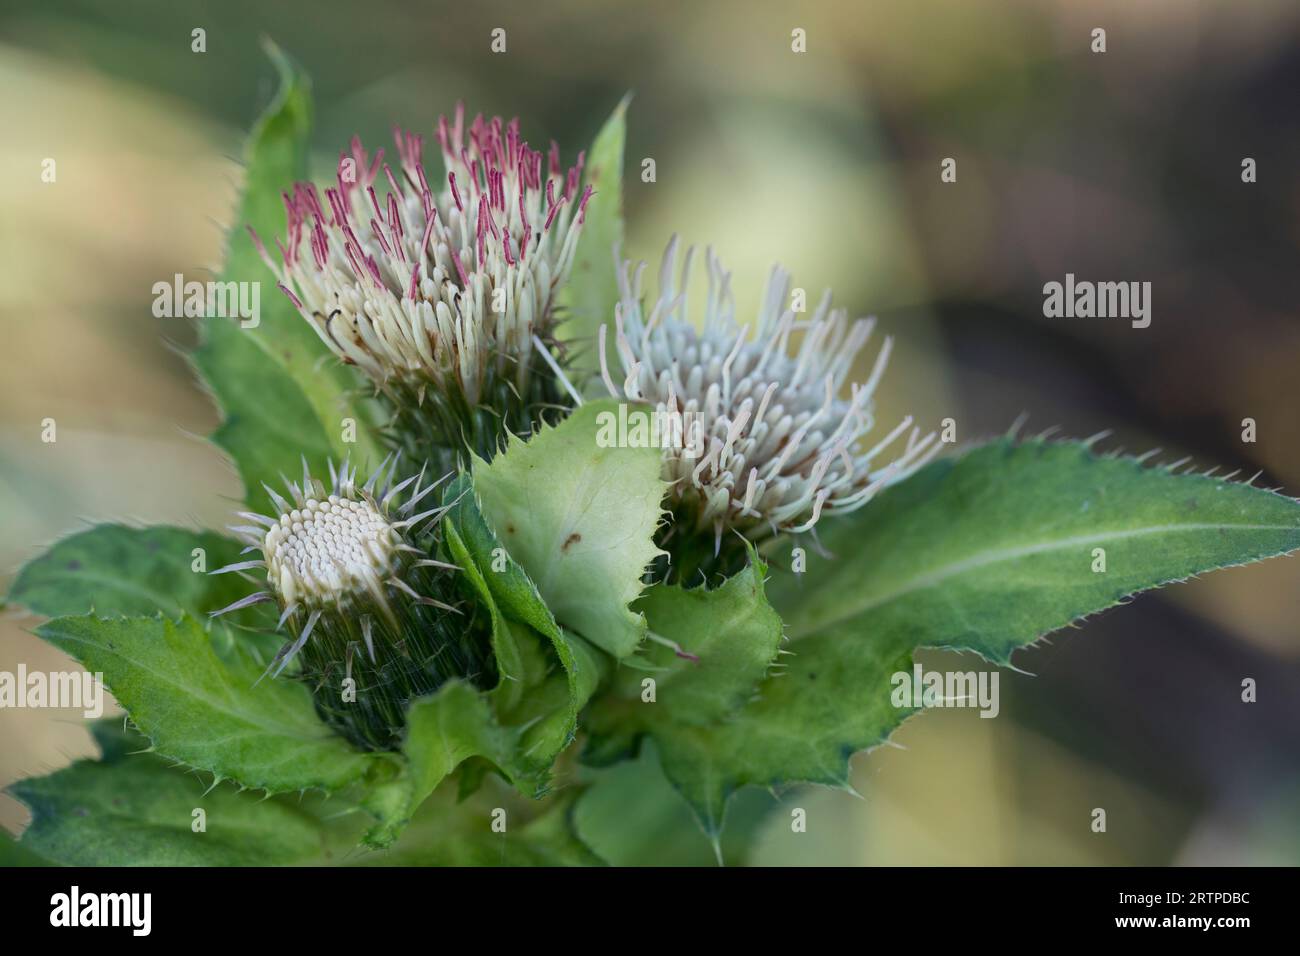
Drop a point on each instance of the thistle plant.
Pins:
(506, 641)
(443, 295)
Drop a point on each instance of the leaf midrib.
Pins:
(923, 581)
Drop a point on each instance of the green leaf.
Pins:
(522, 725)
(546, 712)
(471, 540)
(519, 727)
(630, 815)
(579, 519)
(137, 811)
(832, 701)
(282, 393)
(1009, 530)
(588, 298)
(442, 731)
(211, 713)
(451, 726)
(731, 631)
(15, 854)
(511, 595)
(115, 570)
(986, 552)
(116, 738)
(452, 832)
(506, 651)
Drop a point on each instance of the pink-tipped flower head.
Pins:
(441, 286)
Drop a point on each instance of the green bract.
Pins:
(611, 694)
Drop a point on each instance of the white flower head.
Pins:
(781, 442)
(446, 288)
(342, 554)
(324, 551)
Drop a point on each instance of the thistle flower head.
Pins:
(779, 444)
(444, 289)
(330, 551)
(351, 571)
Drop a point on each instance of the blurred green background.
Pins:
(1122, 166)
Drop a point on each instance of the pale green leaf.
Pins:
(579, 519)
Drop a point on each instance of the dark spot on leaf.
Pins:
(81, 812)
(571, 539)
(510, 529)
(74, 565)
(812, 675)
